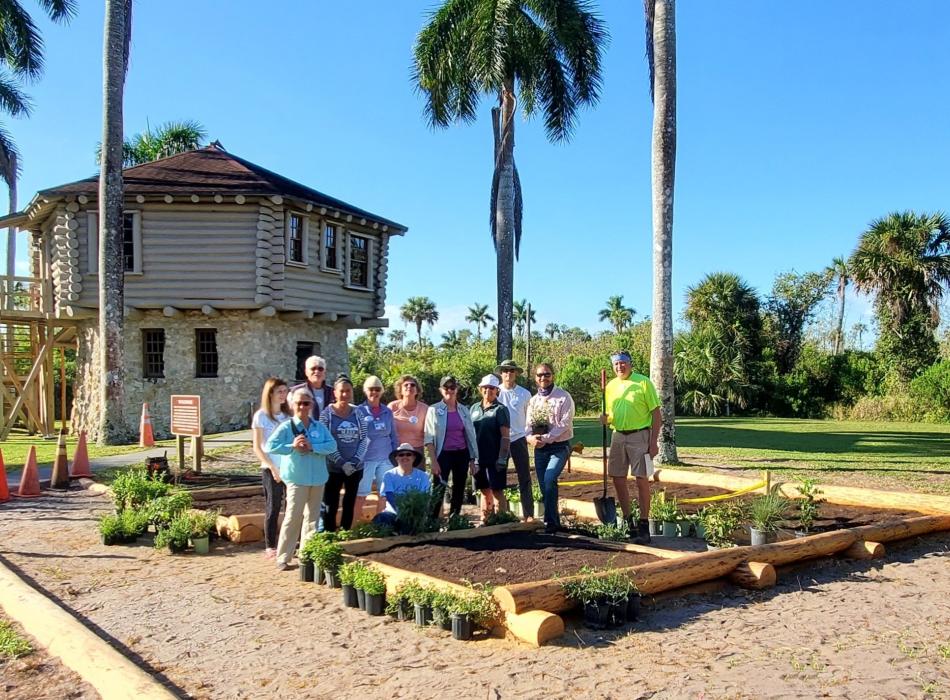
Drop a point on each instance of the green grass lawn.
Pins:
(821, 445)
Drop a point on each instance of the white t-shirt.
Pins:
(263, 421)
(516, 401)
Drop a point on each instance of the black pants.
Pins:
(273, 500)
(454, 463)
(521, 458)
(331, 499)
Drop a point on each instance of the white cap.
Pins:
(489, 380)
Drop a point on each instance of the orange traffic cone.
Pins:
(80, 465)
(4, 489)
(59, 479)
(146, 439)
(30, 479)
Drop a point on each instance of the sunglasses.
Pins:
(405, 454)
(539, 375)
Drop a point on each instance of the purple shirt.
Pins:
(454, 432)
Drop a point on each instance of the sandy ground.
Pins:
(228, 626)
(39, 676)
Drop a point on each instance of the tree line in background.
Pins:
(741, 352)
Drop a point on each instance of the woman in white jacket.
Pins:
(450, 442)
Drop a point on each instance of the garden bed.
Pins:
(514, 557)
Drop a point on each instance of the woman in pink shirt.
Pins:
(409, 414)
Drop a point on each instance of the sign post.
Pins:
(186, 422)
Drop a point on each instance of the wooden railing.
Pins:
(24, 295)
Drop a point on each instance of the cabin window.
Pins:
(297, 228)
(331, 244)
(359, 262)
(153, 353)
(131, 242)
(206, 352)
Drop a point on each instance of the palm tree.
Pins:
(859, 329)
(521, 316)
(21, 49)
(904, 259)
(478, 314)
(397, 337)
(839, 271)
(661, 57)
(419, 310)
(549, 51)
(620, 316)
(452, 339)
(552, 330)
(116, 41)
(726, 306)
(168, 139)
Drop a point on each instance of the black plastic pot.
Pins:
(596, 614)
(109, 540)
(616, 613)
(444, 620)
(332, 579)
(349, 596)
(423, 614)
(317, 575)
(404, 611)
(305, 570)
(361, 598)
(375, 604)
(462, 627)
(633, 606)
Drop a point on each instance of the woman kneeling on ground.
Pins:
(346, 462)
(404, 477)
(492, 426)
(272, 413)
(303, 444)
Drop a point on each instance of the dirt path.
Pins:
(228, 626)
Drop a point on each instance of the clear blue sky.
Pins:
(799, 122)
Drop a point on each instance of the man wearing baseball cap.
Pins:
(515, 398)
(633, 411)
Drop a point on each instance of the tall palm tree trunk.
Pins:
(664, 168)
(112, 428)
(839, 334)
(11, 232)
(505, 223)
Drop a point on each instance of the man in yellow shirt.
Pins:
(633, 411)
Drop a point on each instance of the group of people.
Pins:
(315, 446)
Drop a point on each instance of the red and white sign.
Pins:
(186, 415)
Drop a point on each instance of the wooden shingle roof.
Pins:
(210, 171)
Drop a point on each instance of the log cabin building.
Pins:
(233, 273)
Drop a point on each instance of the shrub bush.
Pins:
(930, 392)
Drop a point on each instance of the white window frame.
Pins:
(369, 261)
(92, 241)
(323, 247)
(305, 225)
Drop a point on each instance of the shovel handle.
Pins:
(603, 442)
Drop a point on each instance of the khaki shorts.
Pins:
(626, 453)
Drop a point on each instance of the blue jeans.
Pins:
(549, 462)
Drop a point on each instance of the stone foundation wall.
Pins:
(249, 350)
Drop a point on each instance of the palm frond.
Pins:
(59, 10)
(13, 100)
(649, 17)
(21, 46)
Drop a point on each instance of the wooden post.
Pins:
(197, 451)
(180, 440)
(62, 389)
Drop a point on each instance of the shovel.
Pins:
(605, 506)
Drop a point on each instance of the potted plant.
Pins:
(305, 567)
(163, 509)
(809, 505)
(202, 523)
(442, 602)
(721, 521)
(585, 590)
(613, 532)
(666, 511)
(374, 588)
(349, 574)
(457, 521)
(133, 489)
(656, 522)
(328, 556)
(399, 604)
(699, 524)
(616, 587)
(421, 598)
(475, 607)
(110, 529)
(539, 418)
(175, 535)
(765, 513)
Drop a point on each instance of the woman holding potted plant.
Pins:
(272, 412)
(303, 443)
(345, 463)
(450, 442)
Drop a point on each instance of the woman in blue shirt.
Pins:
(381, 432)
(346, 462)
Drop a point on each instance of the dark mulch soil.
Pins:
(509, 558)
(836, 517)
(679, 491)
(234, 506)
